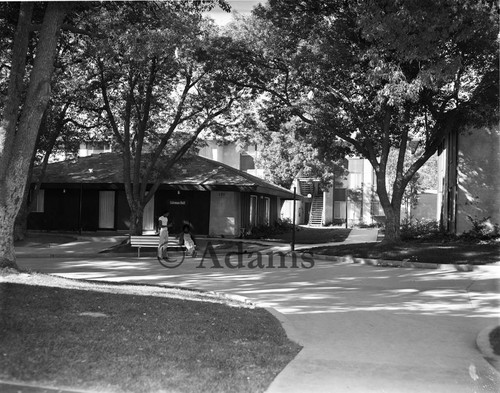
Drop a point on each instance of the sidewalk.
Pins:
(82, 246)
(357, 235)
(89, 246)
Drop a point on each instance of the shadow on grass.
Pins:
(110, 342)
(311, 235)
(42, 240)
(429, 252)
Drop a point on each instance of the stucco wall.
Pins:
(426, 207)
(328, 204)
(224, 213)
(367, 192)
(227, 154)
(478, 177)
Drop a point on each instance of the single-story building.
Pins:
(87, 194)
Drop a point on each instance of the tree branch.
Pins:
(107, 106)
(67, 27)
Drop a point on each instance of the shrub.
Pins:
(371, 225)
(265, 231)
(482, 229)
(419, 229)
(338, 221)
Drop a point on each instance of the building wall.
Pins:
(478, 180)
(229, 154)
(426, 207)
(361, 191)
(185, 207)
(357, 187)
(286, 212)
(286, 206)
(224, 213)
(447, 183)
(328, 205)
(87, 149)
(70, 207)
(368, 192)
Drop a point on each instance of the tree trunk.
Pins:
(392, 222)
(15, 164)
(392, 208)
(21, 222)
(136, 217)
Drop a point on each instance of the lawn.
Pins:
(311, 235)
(110, 342)
(459, 252)
(41, 240)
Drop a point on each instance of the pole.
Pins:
(346, 208)
(293, 221)
(80, 210)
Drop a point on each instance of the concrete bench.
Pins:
(152, 241)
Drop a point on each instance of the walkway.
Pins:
(89, 246)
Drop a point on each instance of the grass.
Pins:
(311, 235)
(110, 342)
(419, 251)
(42, 239)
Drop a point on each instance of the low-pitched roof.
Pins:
(190, 173)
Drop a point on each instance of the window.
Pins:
(377, 209)
(355, 180)
(339, 210)
(355, 173)
(253, 210)
(106, 209)
(246, 162)
(38, 206)
(267, 216)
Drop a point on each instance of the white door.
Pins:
(106, 209)
(148, 222)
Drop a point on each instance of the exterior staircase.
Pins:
(316, 212)
(306, 187)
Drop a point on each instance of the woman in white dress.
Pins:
(163, 241)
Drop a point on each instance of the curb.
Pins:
(332, 258)
(290, 330)
(16, 387)
(484, 345)
(404, 263)
(173, 292)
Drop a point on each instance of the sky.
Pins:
(241, 6)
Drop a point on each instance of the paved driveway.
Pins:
(363, 328)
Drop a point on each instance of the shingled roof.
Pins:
(190, 173)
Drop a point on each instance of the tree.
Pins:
(63, 127)
(284, 153)
(156, 90)
(27, 97)
(424, 179)
(376, 75)
(28, 90)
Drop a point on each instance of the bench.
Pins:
(152, 241)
